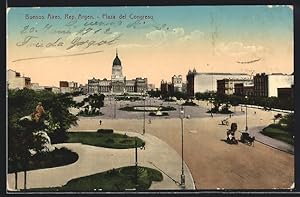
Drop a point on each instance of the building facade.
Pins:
(286, 93)
(227, 86)
(266, 85)
(68, 87)
(177, 83)
(207, 82)
(16, 81)
(241, 89)
(118, 84)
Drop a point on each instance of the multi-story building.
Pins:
(16, 81)
(37, 87)
(166, 88)
(93, 85)
(207, 82)
(177, 83)
(227, 86)
(241, 89)
(266, 85)
(141, 85)
(66, 86)
(118, 83)
(286, 93)
(52, 89)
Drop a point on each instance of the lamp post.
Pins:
(182, 177)
(246, 97)
(211, 101)
(144, 125)
(115, 108)
(136, 162)
(136, 165)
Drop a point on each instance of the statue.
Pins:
(38, 113)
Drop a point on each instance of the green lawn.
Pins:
(107, 140)
(113, 180)
(278, 134)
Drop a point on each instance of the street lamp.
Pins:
(211, 101)
(136, 162)
(115, 108)
(246, 97)
(182, 177)
(144, 125)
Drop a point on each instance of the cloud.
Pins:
(7, 10)
(157, 35)
(236, 49)
(270, 6)
(173, 36)
(179, 31)
(194, 35)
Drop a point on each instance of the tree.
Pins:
(21, 141)
(289, 122)
(96, 101)
(21, 138)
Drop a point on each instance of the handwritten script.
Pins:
(70, 32)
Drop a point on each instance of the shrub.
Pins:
(151, 114)
(189, 103)
(105, 131)
(165, 113)
(277, 126)
(110, 141)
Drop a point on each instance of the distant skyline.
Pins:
(169, 41)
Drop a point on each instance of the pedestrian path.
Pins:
(280, 145)
(157, 155)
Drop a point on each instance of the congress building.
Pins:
(118, 84)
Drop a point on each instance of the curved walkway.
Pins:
(93, 160)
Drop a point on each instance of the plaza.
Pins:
(209, 162)
(213, 163)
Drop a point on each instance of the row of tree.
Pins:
(267, 102)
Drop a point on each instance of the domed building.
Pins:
(118, 83)
(117, 78)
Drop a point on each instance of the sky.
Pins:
(76, 44)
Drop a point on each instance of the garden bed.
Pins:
(56, 158)
(103, 139)
(274, 131)
(118, 179)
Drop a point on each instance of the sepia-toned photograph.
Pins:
(150, 98)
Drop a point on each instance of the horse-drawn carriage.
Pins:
(245, 137)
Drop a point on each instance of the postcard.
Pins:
(150, 98)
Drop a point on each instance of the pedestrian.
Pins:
(100, 122)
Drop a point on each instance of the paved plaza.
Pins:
(210, 162)
(94, 159)
(213, 163)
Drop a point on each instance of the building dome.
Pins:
(117, 61)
